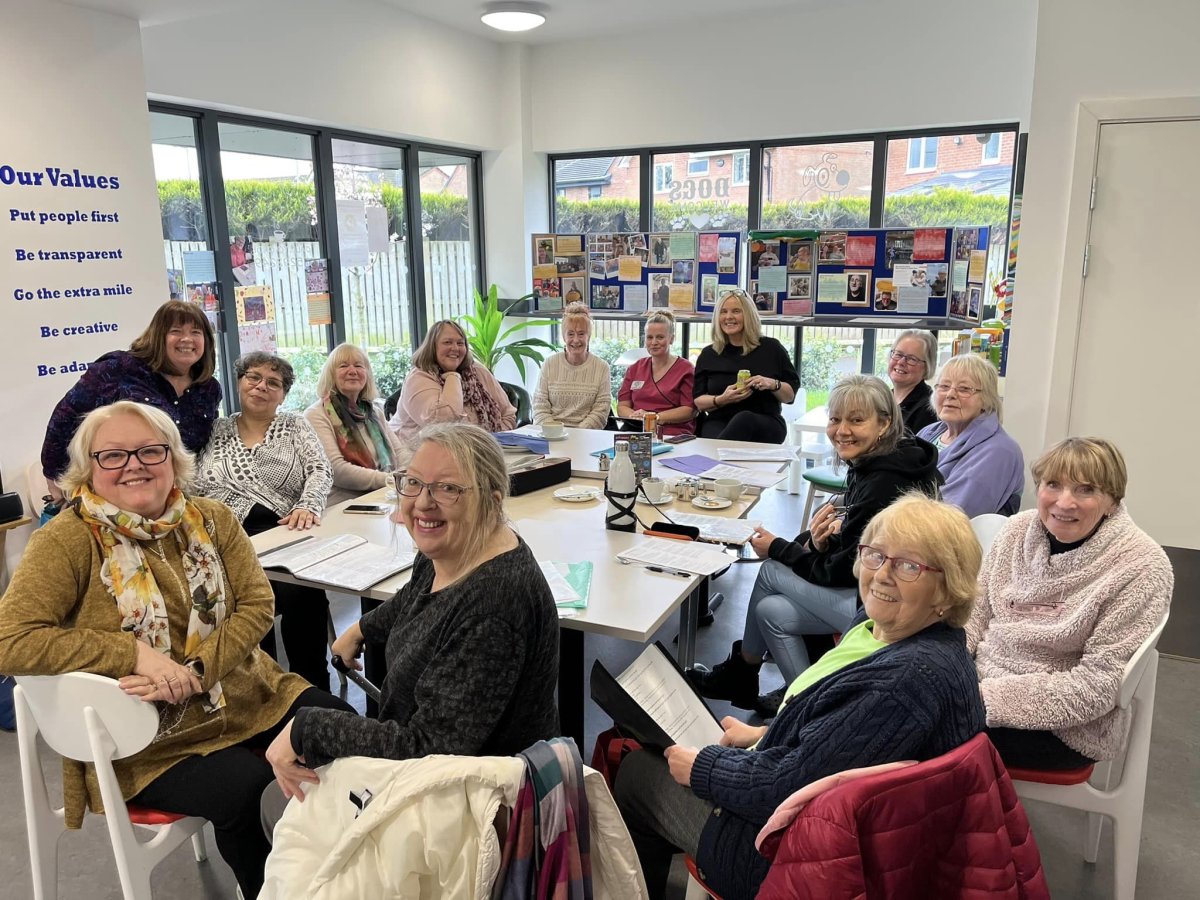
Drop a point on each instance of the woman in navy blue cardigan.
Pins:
(900, 685)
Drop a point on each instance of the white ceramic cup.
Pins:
(552, 429)
(729, 488)
(655, 489)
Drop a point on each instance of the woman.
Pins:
(471, 640)
(912, 360)
(447, 384)
(361, 449)
(735, 411)
(807, 585)
(1067, 594)
(661, 382)
(169, 366)
(575, 387)
(268, 467)
(983, 466)
(141, 582)
(898, 686)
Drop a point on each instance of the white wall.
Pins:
(357, 64)
(59, 113)
(1087, 50)
(851, 66)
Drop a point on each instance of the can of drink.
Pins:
(650, 423)
(742, 377)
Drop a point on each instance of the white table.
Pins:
(627, 602)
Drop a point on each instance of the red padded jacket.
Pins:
(951, 827)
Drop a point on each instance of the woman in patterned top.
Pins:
(269, 468)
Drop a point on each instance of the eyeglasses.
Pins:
(150, 455)
(443, 492)
(254, 379)
(961, 391)
(907, 358)
(904, 569)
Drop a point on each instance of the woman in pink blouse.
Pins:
(446, 384)
(660, 383)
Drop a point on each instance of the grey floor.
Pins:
(1170, 850)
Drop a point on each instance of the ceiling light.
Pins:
(513, 16)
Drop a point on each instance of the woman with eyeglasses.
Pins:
(470, 642)
(140, 581)
(806, 586)
(267, 465)
(912, 360)
(982, 465)
(899, 685)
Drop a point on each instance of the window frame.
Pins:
(744, 156)
(984, 158)
(923, 153)
(696, 162)
(669, 168)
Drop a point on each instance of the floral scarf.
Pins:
(350, 423)
(478, 398)
(128, 578)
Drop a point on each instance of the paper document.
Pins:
(570, 583)
(752, 477)
(716, 528)
(657, 686)
(682, 556)
(347, 561)
(758, 454)
(690, 465)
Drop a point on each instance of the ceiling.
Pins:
(567, 20)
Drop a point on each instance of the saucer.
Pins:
(704, 501)
(642, 498)
(577, 494)
(546, 437)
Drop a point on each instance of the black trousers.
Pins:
(304, 616)
(224, 787)
(746, 426)
(1025, 749)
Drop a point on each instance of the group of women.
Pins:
(148, 576)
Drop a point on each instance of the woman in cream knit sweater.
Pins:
(1068, 592)
(574, 387)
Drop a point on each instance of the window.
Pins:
(698, 166)
(991, 149)
(922, 154)
(664, 174)
(449, 229)
(707, 202)
(615, 180)
(741, 168)
(817, 185)
(595, 192)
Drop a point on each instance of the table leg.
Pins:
(689, 613)
(374, 663)
(570, 684)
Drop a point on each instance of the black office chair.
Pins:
(389, 405)
(518, 397)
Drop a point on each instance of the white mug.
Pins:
(655, 489)
(553, 429)
(729, 488)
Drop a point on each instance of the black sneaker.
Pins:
(734, 680)
(767, 705)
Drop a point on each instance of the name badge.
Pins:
(638, 385)
(1050, 609)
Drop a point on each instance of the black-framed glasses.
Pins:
(961, 391)
(150, 455)
(904, 569)
(254, 379)
(444, 492)
(907, 358)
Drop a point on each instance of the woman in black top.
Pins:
(748, 412)
(911, 363)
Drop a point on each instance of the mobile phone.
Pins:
(679, 438)
(368, 509)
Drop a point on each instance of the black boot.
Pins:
(734, 680)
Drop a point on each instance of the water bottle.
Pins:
(621, 490)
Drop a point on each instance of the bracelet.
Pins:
(716, 405)
(778, 384)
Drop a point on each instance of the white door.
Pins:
(1137, 368)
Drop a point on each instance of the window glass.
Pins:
(597, 194)
(270, 200)
(699, 191)
(376, 296)
(991, 150)
(741, 168)
(922, 153)
(817, 185)
(448, 228)
(828, 354)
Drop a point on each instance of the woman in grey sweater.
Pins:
(471, 641)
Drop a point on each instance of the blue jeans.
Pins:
(784, 607)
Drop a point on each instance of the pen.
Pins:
(663, 571)
(307, 537)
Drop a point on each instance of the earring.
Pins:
(941, 612)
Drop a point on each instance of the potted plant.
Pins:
(491, 345)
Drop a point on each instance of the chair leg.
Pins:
(1102, 780)
(331, 632)
(199, 849)
(808, 504)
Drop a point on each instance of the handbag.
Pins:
(611, 747)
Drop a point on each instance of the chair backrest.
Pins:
(986, 527)
(1136, 667)
(519, 398)
(57, 704)
(389, 405)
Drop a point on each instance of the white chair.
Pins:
(89, 718)
(986, 526)
(1096, 790)
(632, 355)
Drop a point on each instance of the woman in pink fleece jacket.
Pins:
(1068, 592)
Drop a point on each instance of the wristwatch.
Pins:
(778, 384)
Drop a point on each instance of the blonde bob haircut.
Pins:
(79, 468)
(751, 324)
(481, 462)
(425, 358)
(941, 534)
(580, 314)
(1084, 460)
(663, 317)
(346, 353)
(973, 368)
(868, 395)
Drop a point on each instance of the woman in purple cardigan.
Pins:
(982, 465)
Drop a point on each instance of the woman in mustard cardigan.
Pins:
(140, 582)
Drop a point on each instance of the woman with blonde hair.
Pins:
(750, 409)
(447, 384)
(661, 382)
(362, 450)
(1067, 593)
(982, 465)
(575, 386)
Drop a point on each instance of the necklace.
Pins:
(158, 550)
